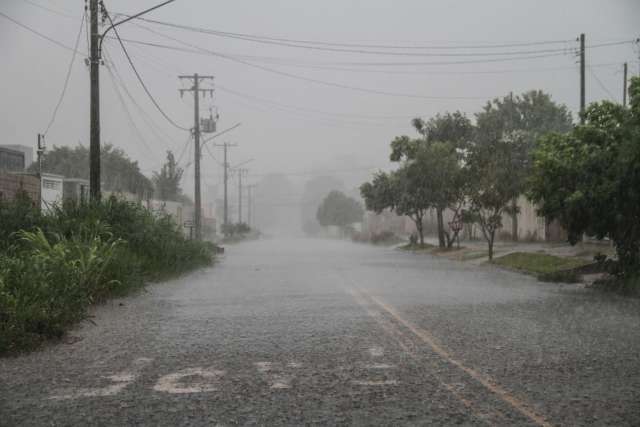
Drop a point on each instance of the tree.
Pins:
(167, 181)
(491, 186)
(524, 117)
(339, 210)
(439, 156)
(402, 191)
(315, 189)
(118, 172)
(589, 179)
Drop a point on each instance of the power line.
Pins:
(602, 86)
(144, 86)
(39, 34)
(55, 12)
(254, 37)
(317, 81)
(66, 80)
(126, 109)
(158, 133)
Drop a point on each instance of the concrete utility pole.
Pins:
(40, 152)
(95, 59)
(196, 137)
(94, 109)
(250, 204)
(225, 166)
(241, 171)
(582, 79)
(624, 85)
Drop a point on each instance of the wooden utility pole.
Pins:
(197, 217)
(582, 79)
(624, 85)
(94, 109)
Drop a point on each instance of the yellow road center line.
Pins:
(487, 382)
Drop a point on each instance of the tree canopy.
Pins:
(589, 179)
(118, 171)
(339, 210)
(167, 180)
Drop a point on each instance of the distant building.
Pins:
(12, 183)
(76, 189)
(28, 152)
(11, 160)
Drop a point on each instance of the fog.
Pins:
(304, 112)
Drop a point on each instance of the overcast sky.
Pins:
(295, 125)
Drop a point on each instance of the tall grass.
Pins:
(53, 267)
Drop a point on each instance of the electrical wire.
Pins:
(317, 81)
(55, 12)
(602, 86)
(158, 133)
(126, 109)
(66, 79)
(184, 149)
(254, 37)
(142, 83)
(39, 34)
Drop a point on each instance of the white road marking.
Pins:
(206, 381)
(376, 351)
(121, 380)
(280, 382)
(377, 383)
(380, 366)
(263, 366)
(294, 365)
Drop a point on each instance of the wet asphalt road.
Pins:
(300, 332)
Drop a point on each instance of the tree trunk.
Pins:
(514, 220)
(420, 231)
(490, 242)
(441, 239)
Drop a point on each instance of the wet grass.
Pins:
(411, 247)
(546, 267)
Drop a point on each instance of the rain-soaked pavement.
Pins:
(293, 332)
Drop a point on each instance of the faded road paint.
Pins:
(489, 383)
(200, 380)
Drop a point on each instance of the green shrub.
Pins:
(53, 267)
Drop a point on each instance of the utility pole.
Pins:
(196, 137)
(250, 204)
(582, 79)
(624, 85)
(94, 109)
(40, 152)
(95, 59)
(241, 171)
(225, 166)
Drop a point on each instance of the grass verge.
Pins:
(546, 267)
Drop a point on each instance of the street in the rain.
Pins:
(311, 331)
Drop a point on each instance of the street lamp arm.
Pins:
(112, 26)
(220, 133)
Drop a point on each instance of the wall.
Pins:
(10, 184)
